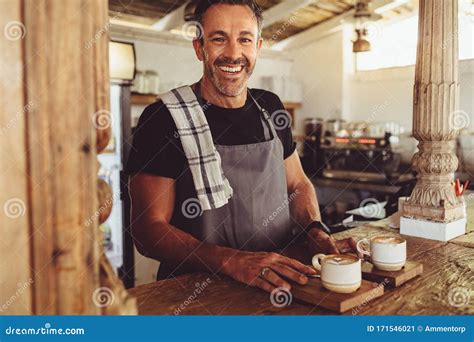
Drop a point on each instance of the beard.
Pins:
(231, 87)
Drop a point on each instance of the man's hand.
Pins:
(246, 267)
(320, 242)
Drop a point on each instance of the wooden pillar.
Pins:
(436, 94)
(16, 290)
(54, 81)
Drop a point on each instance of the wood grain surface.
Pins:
(314, 293)
(411, 270)
(444, 288)
(52, 84)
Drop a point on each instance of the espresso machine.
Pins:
(369, 159)
(352, 151)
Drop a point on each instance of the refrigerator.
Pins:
(117, 239)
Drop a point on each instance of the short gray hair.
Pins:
(203, 5)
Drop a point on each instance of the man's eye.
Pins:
(219, 40)
(245, 40)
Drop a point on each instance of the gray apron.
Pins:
(257, 217)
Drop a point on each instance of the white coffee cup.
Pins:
(387, 253)
(340, 273)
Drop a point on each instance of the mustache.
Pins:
(226, 61)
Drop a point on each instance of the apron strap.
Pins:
(268, 128)
(267, 122)
(197, 90)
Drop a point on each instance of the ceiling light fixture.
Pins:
(363, 15)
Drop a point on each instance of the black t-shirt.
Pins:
(157, 148)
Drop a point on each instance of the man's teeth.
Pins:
(231, 70)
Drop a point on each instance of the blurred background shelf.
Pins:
(143, 99)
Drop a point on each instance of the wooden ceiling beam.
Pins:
(283, 10)
(333, 7)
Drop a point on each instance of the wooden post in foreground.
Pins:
(54, 85)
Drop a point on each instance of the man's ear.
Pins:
(198, 49)
(259, 45)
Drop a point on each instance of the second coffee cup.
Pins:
(387, 253)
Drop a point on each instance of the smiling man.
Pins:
(216, 183)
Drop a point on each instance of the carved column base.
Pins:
(436, 214)
(433, 197)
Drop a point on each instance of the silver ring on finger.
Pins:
(263, 272)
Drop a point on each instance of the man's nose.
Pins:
(233, 51)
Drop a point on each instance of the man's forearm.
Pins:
(167, 243)
(304, 210)
(304, 207)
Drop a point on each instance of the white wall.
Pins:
(387, 94)
(319, 66)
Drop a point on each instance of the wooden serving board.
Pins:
(315, 293)
(391, 278)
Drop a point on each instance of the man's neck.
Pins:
(215, 97)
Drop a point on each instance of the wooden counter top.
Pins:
(448, 273)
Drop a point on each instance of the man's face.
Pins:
(231, 46)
